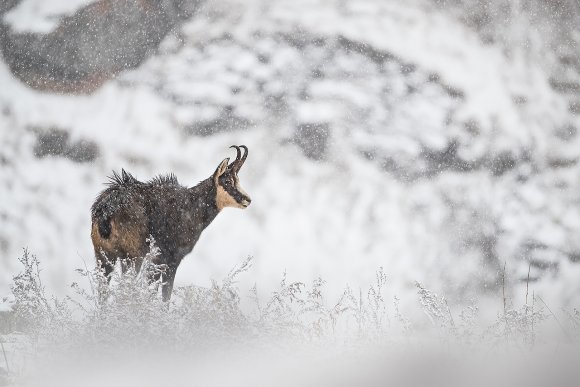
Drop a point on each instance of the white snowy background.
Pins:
(381, 133)
(435, 139)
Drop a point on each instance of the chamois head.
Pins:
(225, 178)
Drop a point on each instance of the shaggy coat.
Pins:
(129, 212)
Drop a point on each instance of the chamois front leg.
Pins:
(167, 287)
(134, 263)
(165, 274)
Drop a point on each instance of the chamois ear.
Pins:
(220, 169)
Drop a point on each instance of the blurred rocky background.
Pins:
(438, 139)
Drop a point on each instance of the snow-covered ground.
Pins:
(380, 134)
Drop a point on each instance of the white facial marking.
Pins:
(224, 199)
(241, 190)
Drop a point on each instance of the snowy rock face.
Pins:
(380, 134)
(7, 5)
(89, 47)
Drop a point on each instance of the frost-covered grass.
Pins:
(122, 327)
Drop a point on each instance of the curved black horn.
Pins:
(234, 164)
(244, 157)
(240, 159)
(239, 153)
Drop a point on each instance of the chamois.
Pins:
(129, 211)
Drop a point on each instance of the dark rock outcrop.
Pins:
(312, 138)
(7, 5)
(56, 142)
(93, 45)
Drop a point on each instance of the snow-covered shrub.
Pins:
(214, 312)
(513, 327)
(32, 309)
(574, 322)
(127, 312)
(128, 309)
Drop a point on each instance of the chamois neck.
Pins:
(204, 200)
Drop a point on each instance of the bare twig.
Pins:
(88, 276)
(533, 303)
(503, 289)
(450, 315)
(555, 318)
(528, 283)
(5, 357)
(508, 331)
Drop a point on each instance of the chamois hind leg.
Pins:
(105, 264)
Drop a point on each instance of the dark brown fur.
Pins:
(129, 212)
